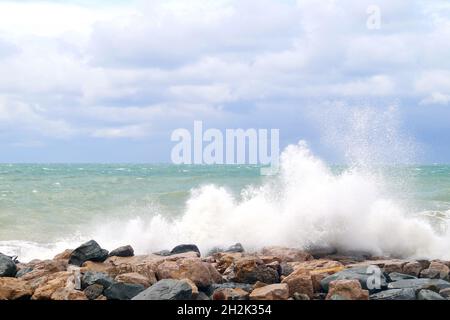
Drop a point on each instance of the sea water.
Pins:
(392, 210)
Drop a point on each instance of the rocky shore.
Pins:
(92, 273)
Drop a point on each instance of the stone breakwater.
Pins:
(90, 272)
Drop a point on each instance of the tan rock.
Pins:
(348, 290)
(271, 292)
(41, 269)
(394, 266)
(300, 282)
(68, 294)
(225, 260)
(51, 285)
(287, 254)
(318, 266)
(436, 270)
(201, 273)
(230, 294)
(136, 278)
(65, 255)
(13, 289)
(250, 270)
(413, 268)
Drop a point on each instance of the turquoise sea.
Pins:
(47, 207)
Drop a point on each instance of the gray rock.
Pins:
(395, 294)
(163, 253)
(395, 276)
(228, 285)
(322, 252)
(183, 248)
(126, 251)
(23, 272)
(93, 277)
(286, 269)
(236, 248)
(202, 297)
(123, 291)
(89, 251)
(362, 274)
(8, 267)
(419, 284)
(429, 295)
(94, 291)
(167, 289)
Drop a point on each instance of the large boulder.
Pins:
(347, 289)
(395, 276)
(8, 267)
(395, 294)
(368, 279)
(185, 248)
(436, 270)
(203, 274)
(68, 294)
(126, 251)
(414, 268)
(123, 291)
(53, 283)
(419, 284)
(135, 278)
(251, 270)
(167, 289)
(429, 295)
(300, 283)
(14, 289)
(271, 292)
(287, 254)
(89, 251)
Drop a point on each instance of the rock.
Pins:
(64, 294)
(185, 248)
(418, 284)
(287, 254)
(89, 251)
(229, 294)
(14, 289)
(413, 268)
(94, 291)
(394, 266)
(44, 271)
(65, 255)
(229, 285)
(436, 270)
(23, 272)
(251, 270)
(203, 274)
(236, 248)
(92, 277)
(301, 283)
(202, 297)
(395, 294)
(8, 267)
(126, 251)
(57, 281)
(271, 292)
(445, 293)
(322, 252)
(348, 289)
(429, 295)
(123, 291)
(167, 289)
(163, 253)
(286, 269)
(363, 274)
(135, 278)
(395, 276)
(301, 297)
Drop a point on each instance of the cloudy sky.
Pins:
(108, 81)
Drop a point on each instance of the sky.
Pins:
(108, 81)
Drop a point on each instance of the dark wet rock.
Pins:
(322, 252)
(286, 269)
(94, 291)
(167, 289)
(229, 285)
(123, 291)
(23, 272)
(162, 253)
(395, 294)
(126, 251)
(8, 267)
(202, 297)
(418, 284)
(429, 295)
(363, 274)
(236, 248)
(89, 251)
(395, 276)
(183, 248)
(93, 277)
